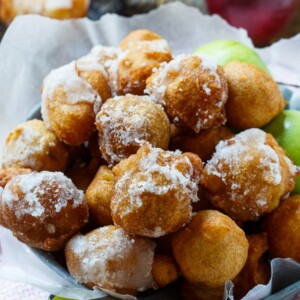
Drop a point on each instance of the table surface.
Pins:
(17, 291)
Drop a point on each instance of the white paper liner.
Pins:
(33, 46)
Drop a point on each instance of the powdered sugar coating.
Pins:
(37, 6)
(110, 258)
(22, 152)
(25, 194)
(155, 182)
(248, 175)
(150, 166)
(58, 4)
(67, 79)
(135, 64)
(25, 6)
(109, 58)
(192, 89)
(125, 122)
(160, 82)
(32, 145)
(237, 149)
(158, 45)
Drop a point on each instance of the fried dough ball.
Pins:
(248, 175)
(137, 62)
(211, 249)
(43, 210)
(190, 291)
(111, 259)
(32, 145)
(99, 195)
(72, 96)
(125, 122)
(154, 190)
(108, 57)
(137, 36)
(7, 174)
(9, 9)
(203, 143)
(164, 270)
(282, 227)
(193, 91)
(256, 270)
(254, 98)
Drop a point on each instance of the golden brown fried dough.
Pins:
(108, 57)
(164, 270)
(203, 143)
(254, 98)
(72, 95)
(125, 122)
(137, 62)
(248, 175)
(154, 190)
(256, 270)
(9, 9)
(211, 249)
(43, 210)
(193, 91)
(282, 227)
(32, 145)
(99, 195)
(110, 258)
(7, 174)
(138, 35)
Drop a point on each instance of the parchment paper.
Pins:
(33, 46)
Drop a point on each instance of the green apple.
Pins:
(225, 51)
(286, 130)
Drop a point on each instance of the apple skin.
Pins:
(225, 51)
(286, 130)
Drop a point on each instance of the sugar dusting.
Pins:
(58, 4)
(159, 45)
(105, 247)
(67, 79)
(29, 143)
(32, 189)
(32, 6)
(123, 121)
(231, 154)
(109, 58)
(38, 6)
(159, 174)
(160, 80)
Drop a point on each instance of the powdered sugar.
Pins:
(75, 88)
(24, 149)
(58, 4)
(110, 246)
(34, 187)
(32, 6)
(122, 123)
(109, 57)
(159, 175)
(245, 148)
(37, 6)
(159, 45)
(160, 81)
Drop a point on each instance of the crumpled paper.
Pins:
(33, 46)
